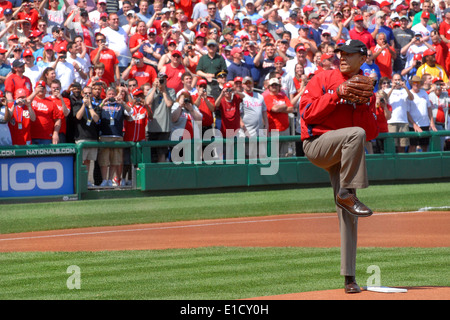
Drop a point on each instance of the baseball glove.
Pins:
(357, 89)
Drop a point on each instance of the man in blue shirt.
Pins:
(237, 67)
(380, 26)
(370, 67)
(5, 69)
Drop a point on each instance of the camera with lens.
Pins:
(112, 99)
(229, 90)
(186, 100)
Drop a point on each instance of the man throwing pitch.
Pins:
(337, 116)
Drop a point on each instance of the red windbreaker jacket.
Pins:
(321, 109)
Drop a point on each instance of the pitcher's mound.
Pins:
(413, 293)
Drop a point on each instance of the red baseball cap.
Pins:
(235, 50)
(20, 93)
(418, 56)
(425, 14)
(174, 52)
(27, 53)
(41, 83)
(137, 92)
(238, 79)
(437, 79)
(201, 82)
(278, 59)
(326, 56)
(358, 17)
(428, 52)
(138, 55)
(48, 46)
(228, 85)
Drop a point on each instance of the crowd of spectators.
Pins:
(134, 70)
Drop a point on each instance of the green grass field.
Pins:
(210, 273)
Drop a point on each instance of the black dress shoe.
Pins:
(352, 205)
(351, 286)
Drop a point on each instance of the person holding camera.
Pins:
(22, 114)
(398, 95)
(5, 116)
(112, 115)
(383, 55)
(440, 101)
(185, 116)
(228, 103)
(143, 73)
(160, 99)
(86, 122)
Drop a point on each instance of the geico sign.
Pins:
(34, 178)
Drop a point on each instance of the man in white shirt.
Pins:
(32, 71)
(117, 40)
(64, 70)
(94, 16)
(80, 65)
(398, 96)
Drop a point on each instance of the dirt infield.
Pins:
(407, 229)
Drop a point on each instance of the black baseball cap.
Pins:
(353, 46)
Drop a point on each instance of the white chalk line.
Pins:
(187, 226)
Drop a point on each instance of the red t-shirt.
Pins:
(381, 118)
(384, 61)
(20, 125)
(136, 40)
(277, 120)
(109, 59)
(58, 103)
(174, 76)
(208, 118)
(143, 75)
(33, 17)
(231, 115)
(47, 113)
(14, 82)
(134, 126)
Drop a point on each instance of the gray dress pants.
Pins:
(341, 153)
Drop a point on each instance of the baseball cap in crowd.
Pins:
(137, 92)
(380, 14)
(247, 79)
(401, 7)
(273, 81)
(165, 22)
(353, 46)
(18, 63)
(201, 82)
(228, 85)
(278, 59)
(211, 42)
(152, 31)
(138, 55)
(425, 15)
(101, 1)
(437, 79)
(200, 35)
(385, 4)
(308, 8)
(404, 17)
(35, 34)
(60, 48)
(171, 42)
(48, 46)
(131, 13)
(20, 93)
(300, 48)
(235, 50)
(428, 52)
(176, 52)
(162, 75)
(83, 12)
(7, 12)
(358, 17)
(418, 57)
(238, 79)
(27, 53)
(222, 73)
(184, 18)
(165, 10)
(326, 56)
(3, 51)
(40, 83)
(13, 37)
(314, 16)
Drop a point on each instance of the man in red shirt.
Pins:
(228, 103)
(278, 108)
(29, 13)
(174, 70)
(16, 80)
(334, 132)
(205, 104)
(107, 57)
(140, 71)
(63, 105)
(45, 130)
(22, 116)
(359, 32)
